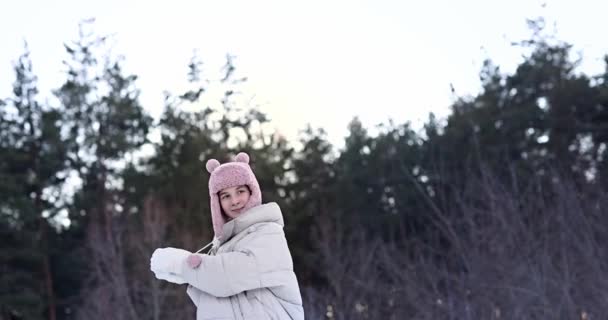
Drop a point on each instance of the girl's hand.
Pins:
(194, 260)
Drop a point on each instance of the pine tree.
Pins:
(33, 156)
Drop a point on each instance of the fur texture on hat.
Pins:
(227, 175)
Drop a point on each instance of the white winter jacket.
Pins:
(249, 274)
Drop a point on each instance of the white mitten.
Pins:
(168, 261)
(170, 277)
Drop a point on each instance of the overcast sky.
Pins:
(318, 62)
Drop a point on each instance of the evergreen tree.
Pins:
(105, 124)
(32, 153)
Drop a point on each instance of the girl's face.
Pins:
(234, 199)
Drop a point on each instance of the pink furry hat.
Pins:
(227, 175)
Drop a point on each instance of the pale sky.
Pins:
(318, 62)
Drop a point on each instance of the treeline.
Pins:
(496, 212)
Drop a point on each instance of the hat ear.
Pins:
(242, 157)
(212, 164)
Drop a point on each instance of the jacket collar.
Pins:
(269, 212)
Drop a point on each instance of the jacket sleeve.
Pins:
(194, 294)
(260, 259)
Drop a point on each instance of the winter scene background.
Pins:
(445, 160)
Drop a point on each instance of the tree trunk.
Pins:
(48, 275)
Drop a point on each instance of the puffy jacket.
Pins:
(249, 273)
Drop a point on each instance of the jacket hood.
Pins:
(269, 212)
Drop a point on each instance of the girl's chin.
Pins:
(235, 213)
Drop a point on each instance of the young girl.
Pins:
(248, 273)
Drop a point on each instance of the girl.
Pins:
(248, 273)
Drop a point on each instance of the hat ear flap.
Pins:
(242, 157)
(216, 216)
(212, 164)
